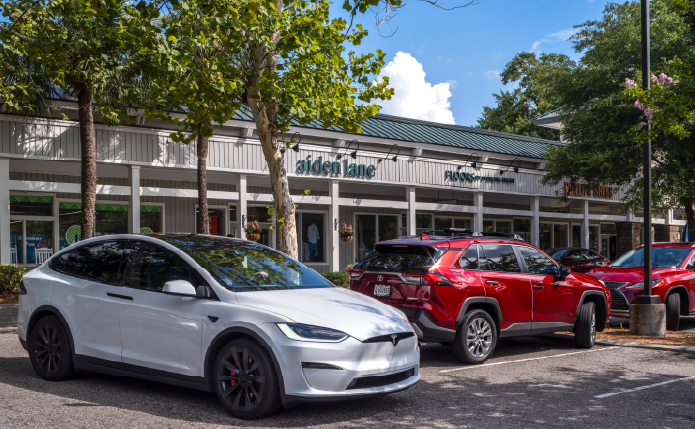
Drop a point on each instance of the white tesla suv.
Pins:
(212, 313)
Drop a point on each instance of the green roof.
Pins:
(415, 130)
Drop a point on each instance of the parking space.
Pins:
(529, 382)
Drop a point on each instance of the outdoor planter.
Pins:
(346, 238)
(253, 236)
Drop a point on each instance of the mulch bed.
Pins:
(673, 338)
(9, 299)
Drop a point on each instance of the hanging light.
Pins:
(395, 157)
(516, 167)
(295, 148)
(353, 154)
(473, 164)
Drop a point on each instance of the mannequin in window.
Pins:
(313, 237)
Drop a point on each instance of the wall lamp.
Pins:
(474, 164)
(353, 155)
(395, 158)
(296, 146)
(516, 167)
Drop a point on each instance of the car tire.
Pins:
(673, 312)
(585, 328)
(50, 351)
(476, 338)
(245, 380)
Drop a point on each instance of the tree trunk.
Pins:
(88, 177)
(203, 222)
(690, 216)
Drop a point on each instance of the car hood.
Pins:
(357, 315)
(631, 275)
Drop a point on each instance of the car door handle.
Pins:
(491, 283)
(115, 295)
(538, 286)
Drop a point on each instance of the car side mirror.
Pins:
(562, 274)
(180, 288)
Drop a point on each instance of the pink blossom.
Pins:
(644, 124)
(629, 83)
(649, 113)
(638, 104)
(654, 79)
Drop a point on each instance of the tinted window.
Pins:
(662, 257)
(469, 260)
(499, 257)
(589, 255)
(243, 267)
(537, 262)
(73, 265)
(557, 254)
(57, 263)
(401, 258)
(104, 261)
(150, 266)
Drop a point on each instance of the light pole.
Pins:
(647, 314)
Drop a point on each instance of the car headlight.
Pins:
(640, 285)
(317, 334)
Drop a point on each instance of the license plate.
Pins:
(382, 290)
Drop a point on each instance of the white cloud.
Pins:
(452, 83)
(560, 36)
(414, 97)
(470, 73)
(492, 75)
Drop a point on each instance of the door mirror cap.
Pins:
(180, 288)
(562, 274)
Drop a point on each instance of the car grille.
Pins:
(389, 339)
(618, 300)
(380, 380)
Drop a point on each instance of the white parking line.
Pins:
(525, 360)
(644, 387)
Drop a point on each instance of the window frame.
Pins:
(520, 257)
(457, 264)
(520, 261)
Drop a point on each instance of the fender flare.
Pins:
(586, 293)
(250, 333)
(477, 300)
(51, 309)
(687, 294)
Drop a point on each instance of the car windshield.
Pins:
(662, 257)
(557, 254)
(401, 258)
(241, 266)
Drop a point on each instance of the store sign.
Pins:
(335, 168)
(580, 190)
(471, 177)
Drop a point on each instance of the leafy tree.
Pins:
(86, 50)
(191, 73)
(531, 98)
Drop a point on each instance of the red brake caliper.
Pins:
(231, 374)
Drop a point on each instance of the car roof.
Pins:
(439, 240)
(666, 244)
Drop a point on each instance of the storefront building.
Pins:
(399, 177)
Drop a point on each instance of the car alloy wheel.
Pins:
(479, 338)
(49, 350)
(241, 379)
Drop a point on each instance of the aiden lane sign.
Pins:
(472, 177)
(335, 167)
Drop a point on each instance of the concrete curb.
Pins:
(682, 349)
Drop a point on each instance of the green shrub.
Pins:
(338, 278)
(10, 276)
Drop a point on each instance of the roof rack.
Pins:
(462, 232)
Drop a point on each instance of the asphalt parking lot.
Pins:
(529, 382)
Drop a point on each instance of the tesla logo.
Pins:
(394, 339)
(380, 278)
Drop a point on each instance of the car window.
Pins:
(402, 258)
(557, 254)
(57, 263)
(102, 261)
(469, 260)
(150, 266)
(537, 262)
(575, 255)
(588, 255)
(79, 261)
(498, 257)
(662, 257)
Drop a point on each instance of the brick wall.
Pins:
(667, 233)
(628, 236)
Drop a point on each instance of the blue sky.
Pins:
(466, 48)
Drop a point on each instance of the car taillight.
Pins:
(22, 288)
(413, 278)
(435, 278)
(355, 274)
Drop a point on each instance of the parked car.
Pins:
(471, 289)
(215, 314)
(578, 260)
(673, 280)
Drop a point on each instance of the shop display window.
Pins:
(216, 220)
(151, 219)
(312, 237)
(31, 205)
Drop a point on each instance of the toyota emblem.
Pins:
(380, 278)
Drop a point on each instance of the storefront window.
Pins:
(312, 237)
(423, 222)
(216, 221)
(463, 223)
(150, 219)
(522, 227)
(488, 226)
(593, 238)
(388, 227)
(39, 238)
(259, 214)
(16, 242)
(560, 235)
(503, 226)
(608, 228)
(576, 236)
(404, 224)
(365, 227)
(111, 219)
(69, 228)
(545, 235)
(31, 205)
(441, 223)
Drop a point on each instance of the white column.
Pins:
(56, 224)
(334, 225)
(478, 218)
(536, 221)
(5, 211)
(669, 217)
(242, 207)
(585, 224)
(134, 209)
(411, 210)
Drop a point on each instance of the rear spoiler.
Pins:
(461, 232)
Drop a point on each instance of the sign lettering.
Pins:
(472, 177)
(582, 190)
(319, 166)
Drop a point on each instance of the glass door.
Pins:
(311, 234)
(365, 226)
(17, 241)
(388, 227)
(31, 241)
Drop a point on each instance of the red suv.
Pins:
(470, 289)
(673, 280)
